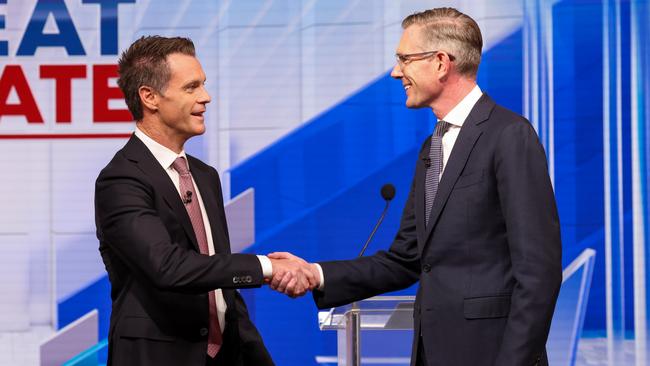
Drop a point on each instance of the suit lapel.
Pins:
(469, 134)
(136, 151)
(217, 221)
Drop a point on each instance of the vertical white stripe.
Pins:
(638, 242)
(550, 110)
(222, 99)
(54, 303)
(539, 104)
(534, 87)
(619, 139)
(526, 45)
(210, 44)
(609, 303)
(543, 68)
(543, 78)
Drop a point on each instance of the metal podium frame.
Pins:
(376, 313)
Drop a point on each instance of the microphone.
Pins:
(354, 322)
(387, 193)
(188, 197)
(427, 162)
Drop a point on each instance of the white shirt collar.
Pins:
(164, 155)
(459, 113)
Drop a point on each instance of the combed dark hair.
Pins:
(453, 32)
(144, 63)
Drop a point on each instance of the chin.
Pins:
(194, 132)
(412, 105)
(199, 129)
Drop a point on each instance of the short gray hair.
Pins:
(453, 32)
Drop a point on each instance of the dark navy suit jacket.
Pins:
(159, 279)
(488, 263)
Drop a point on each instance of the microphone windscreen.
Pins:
(388, 191)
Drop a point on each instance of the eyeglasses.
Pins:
(405, 59)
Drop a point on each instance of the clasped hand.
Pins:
(292, 275)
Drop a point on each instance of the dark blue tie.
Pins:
(433, 171)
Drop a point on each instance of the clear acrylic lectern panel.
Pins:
(376, 331)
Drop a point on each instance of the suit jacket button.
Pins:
(426, 267)
(203, 332)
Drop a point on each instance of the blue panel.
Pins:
(96, 296)
(330, 153)
(578, 136)
(501, 70)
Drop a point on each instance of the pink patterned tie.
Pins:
(191, 202)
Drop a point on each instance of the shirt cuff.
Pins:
(267, 267)
(321, 284)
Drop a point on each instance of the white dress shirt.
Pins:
(456, 117)
(166, 157)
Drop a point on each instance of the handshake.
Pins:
(292, 275)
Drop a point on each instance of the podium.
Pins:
(377, 331)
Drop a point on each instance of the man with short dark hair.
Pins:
(162, 228)
(480, 230)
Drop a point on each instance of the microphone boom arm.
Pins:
(381, 219)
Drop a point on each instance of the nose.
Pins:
(204, 98)
(396, 72)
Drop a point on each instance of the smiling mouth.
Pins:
(407, 87)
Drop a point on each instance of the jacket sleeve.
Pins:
(533, 234)
(130, 229)
(357, 279)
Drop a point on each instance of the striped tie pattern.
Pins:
(434, 168)
(215, 339)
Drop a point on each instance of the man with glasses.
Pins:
(480, 230)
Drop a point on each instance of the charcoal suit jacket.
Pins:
(489, 261)
(159, 280)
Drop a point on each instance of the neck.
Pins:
(452, 94)
(161, 135)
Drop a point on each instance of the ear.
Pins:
(443, 64)
(148, 97)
